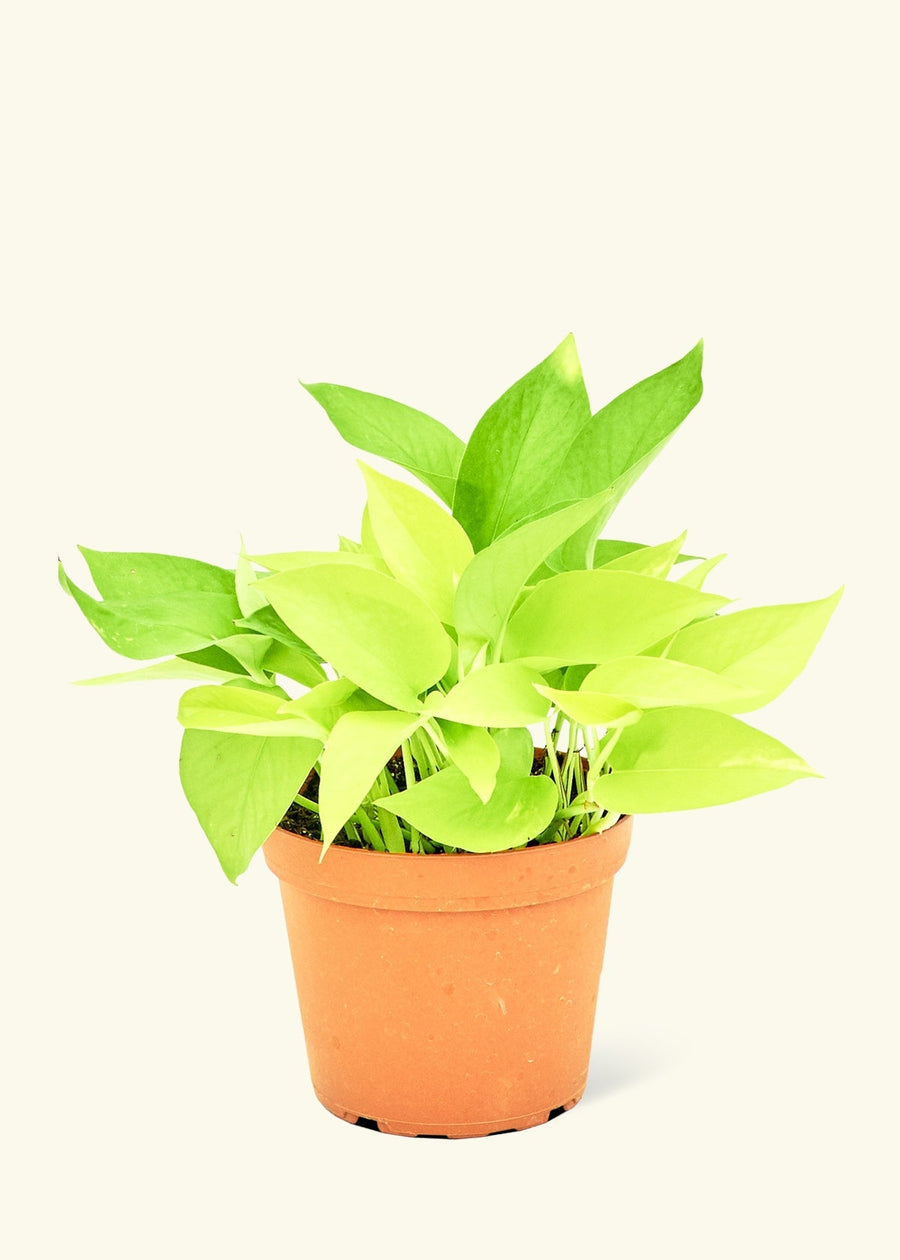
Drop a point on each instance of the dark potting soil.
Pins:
(303, 822)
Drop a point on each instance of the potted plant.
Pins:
(366, 716)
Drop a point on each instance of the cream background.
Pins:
(207, 201)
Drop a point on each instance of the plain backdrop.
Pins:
(207, 201)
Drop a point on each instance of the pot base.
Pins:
(483, 1129)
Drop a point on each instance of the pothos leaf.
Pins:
(367, 625)
(357, 750)
(689, 758)
(396, 432)
(446, 809)
(240, 787)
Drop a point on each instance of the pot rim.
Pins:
(441, 881)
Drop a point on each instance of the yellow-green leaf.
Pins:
(367, 625)
(421, 543)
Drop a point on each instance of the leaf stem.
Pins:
(369, 830)
(552, 757)
(393, 836)
(415, 840)
(351, 832)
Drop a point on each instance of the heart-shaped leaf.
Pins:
(396, 432)
(597, 615)
(760, 649)
(329, 701)
(592, 707)
(240, 787)
(475, 753)
(497, 695)
(492, 583)
(653, 682)
(367, 625)
(243, 712)
(143, 627)
(653, 561)
(176, 668)
(422, 545)
(689, 758)
(514, 459)
(356, 752)
(626, 435)
(447, 810)
(136, 576)
(284, 561)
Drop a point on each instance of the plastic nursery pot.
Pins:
(448, 994)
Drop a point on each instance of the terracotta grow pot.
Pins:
(448, 994)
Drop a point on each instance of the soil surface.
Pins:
(303, 822)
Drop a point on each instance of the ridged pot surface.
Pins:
(449, 994)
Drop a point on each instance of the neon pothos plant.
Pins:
(455, 626)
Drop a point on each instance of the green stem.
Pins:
(573, 757)
(579, 770)
(435, 741)
(415, 840)
(351, 831)
(369, 830)
(576, 809)
(551, 756)
(390, 827)
(388, 822)
(601, 755)
(306, 803)
(426, 753)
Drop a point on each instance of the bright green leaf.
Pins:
(494, 580)
(241, 711)
(516, 749)
(240, 788)
(472, 750)
(293, 662)
(421, 543)
(248, 597)
(322, 698)
(161, 625)
(214, 658)
(592, 707)
(497, 695)
(367, 625)
(653, 682)
(623, 438)
(690, 758)
(266, 621)
(760, 649)
(284, 561)
(446, 809)
(137, 576)
(597, 615)
(516, 456)
(176, 668)
(696, 576)
(249, 650)
(326, 703)
(357, 751)
(653, 561)
(606, 549)
(396, 432)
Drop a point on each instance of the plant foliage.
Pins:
(389, 688)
